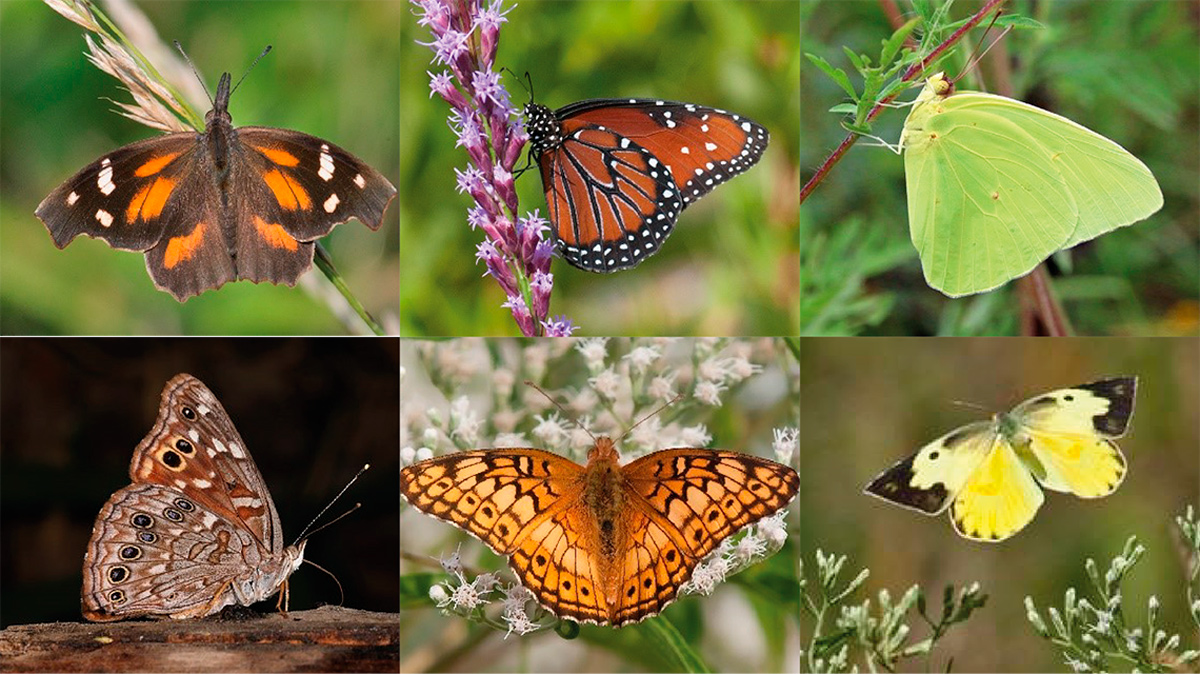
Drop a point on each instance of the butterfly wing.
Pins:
(930, 479)
(617, 172)
(684, 503)
(999, 497)
(293, 189)
(194, 446)
(523, 503)
(996, 185)
(1070, 434)
(155, 196)
(154, 548)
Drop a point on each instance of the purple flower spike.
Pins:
(465, 38)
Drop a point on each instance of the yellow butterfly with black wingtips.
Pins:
(985, 472)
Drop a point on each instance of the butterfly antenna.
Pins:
(560, 408)
(971, 405)
(661, 407)
(978, 54)
(194, 72)
(330, 504)
(239, 82)
(341, 592)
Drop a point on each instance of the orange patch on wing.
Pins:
(148, 203)
(288, 192)
(275, 235)
(181, 248)
(281, 157)
(155, 165)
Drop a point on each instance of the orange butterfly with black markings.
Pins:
(220, 205)
(601, 543)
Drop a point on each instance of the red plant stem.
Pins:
(909, 75)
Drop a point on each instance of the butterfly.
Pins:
(223, 205)
(618, 172)
(987, 473)
(196, 531)
(995, 186)
(602, 543)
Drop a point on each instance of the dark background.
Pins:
(310, 410)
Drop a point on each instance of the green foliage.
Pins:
(880, 639)
(1125, 70)
(1097, 635)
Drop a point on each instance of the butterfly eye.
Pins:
(173, 514)
(142, 520)
(117, 596)
(184, 446)
(188, 413)
(131, 552)
(147, 536)
(118, 574)
(184, 505)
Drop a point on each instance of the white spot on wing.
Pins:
(326, 170)
(331, 203)
(360, 181)
(105, 218)
(72, 198)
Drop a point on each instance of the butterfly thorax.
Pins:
(604, 494)
(545, 131)
(266, 579)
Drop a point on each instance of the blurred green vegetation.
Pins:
(866, 404)
(731, 266)
(332, 73)
(1126, 70)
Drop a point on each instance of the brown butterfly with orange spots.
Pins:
(223, 205)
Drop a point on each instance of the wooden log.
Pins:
(327, 639)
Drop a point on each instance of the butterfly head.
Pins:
(220, 108)
(604, 449)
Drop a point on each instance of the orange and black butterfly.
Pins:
(220, 205)
(618, 172)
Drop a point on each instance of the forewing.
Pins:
(120, 197)
(701, 146)
(492, 494)
(194, 447)
(1111, 187)
(929, 480)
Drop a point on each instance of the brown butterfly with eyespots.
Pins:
(602, 543)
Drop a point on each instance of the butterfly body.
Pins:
(996, 185)
(987, 473)
(618, 172)
(601, 543)
(196, 530)
(222, 205)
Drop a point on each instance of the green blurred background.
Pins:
(866, 404)
(731, 266)
(332, 73)
(1127, 70)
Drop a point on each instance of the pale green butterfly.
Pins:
(995, 186)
